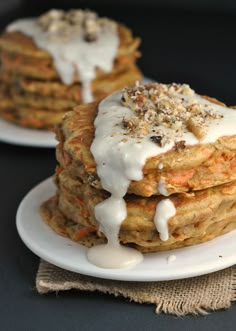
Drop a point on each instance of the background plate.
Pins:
(16, 135)
(192, 261)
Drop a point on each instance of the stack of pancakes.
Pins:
(200, 180)
(32, 93)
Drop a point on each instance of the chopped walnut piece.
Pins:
(129, 124)
(50, 16)
(136, 126)
(92, 180)
(195, 127)
(57, 26)
(92, 29)
(75, 16)
(179, 145)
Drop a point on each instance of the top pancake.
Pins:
(193, 168)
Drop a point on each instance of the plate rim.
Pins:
(115, 274)
(49, 140)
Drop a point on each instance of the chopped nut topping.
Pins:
(166, 111)
(141, 128)
(180, 145)
(61, 25)
(130, 124)
(194, 125)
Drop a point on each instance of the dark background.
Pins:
(183, 41)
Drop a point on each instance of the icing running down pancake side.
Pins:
(132, 126)
(78, 41)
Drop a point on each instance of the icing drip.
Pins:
(110, 214)
(162, 187)
(165, 209)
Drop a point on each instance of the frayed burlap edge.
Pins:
(198, 295)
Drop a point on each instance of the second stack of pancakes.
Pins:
(33, 93)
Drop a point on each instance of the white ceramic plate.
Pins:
(16, 135)
(192, 261)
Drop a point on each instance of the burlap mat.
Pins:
(197, 295)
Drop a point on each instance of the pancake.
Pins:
(193, 168)
(199, 217)
(26, 91)
(41, 105)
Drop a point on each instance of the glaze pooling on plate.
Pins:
(74, 54)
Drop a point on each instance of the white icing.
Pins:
(171, 258)
(162, 187)
(160, 166)
(74, 55)
(121, 160)
(165, 209)
(103, 212)
(110, 256)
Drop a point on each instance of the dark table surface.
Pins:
(194, 47)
